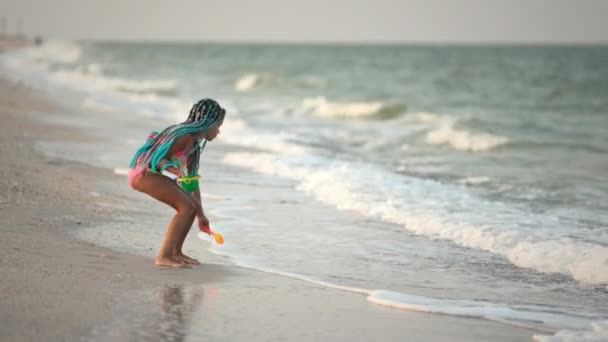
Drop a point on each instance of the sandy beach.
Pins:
(55, 287)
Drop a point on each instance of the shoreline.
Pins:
(56, 286)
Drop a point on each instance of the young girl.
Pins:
(177, 150)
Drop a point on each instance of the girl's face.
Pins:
(212, 132)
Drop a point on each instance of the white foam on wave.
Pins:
(249, 81)
(403, 200)
(474, 180)
(463, 140)
(252, 80)
(246, 82)
(92, 75)
(595, 332)
(322, 107)
(444, 132)
(53, 65)
(584, 261)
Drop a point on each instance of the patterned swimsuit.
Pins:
(178, 160)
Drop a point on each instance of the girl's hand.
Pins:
(203, 224)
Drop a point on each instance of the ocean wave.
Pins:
(56, 51)
(474, 180)
(37, 67)
(443, 132)
(148, 105)
(92, 76)
(403, 200)
(463, 140)
(247, 82)
(595, 332)
(252, 80)
(159, 87)
(320, 106)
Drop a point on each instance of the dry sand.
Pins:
(56, 288)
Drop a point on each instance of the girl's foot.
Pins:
(186, 259)
(170, 262)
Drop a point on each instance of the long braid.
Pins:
(203, 115)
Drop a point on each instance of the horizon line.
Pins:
(345, 42)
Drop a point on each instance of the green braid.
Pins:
(203, 115)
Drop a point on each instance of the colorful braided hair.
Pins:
(203, 115)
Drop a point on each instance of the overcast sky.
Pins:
(435, 21)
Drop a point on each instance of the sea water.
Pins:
(459, 180)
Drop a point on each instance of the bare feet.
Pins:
(186, 259)
(170, 262)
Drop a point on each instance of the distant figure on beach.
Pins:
(177, 150)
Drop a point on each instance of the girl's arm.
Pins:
(203, 222)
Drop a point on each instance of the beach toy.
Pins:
(189, 184)
(217, 236)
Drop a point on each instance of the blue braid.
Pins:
(203, 115)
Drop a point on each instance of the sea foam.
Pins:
(404, 200)
(246, 82)
(444, 132)
(58, 65)
(594, 332)
(324, 108)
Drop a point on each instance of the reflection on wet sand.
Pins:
(158, 315)
(176, 313)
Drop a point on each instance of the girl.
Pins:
(177, 150)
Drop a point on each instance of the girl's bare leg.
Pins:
(166, 191)
(177, 251)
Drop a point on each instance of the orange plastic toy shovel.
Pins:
(217, 236)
